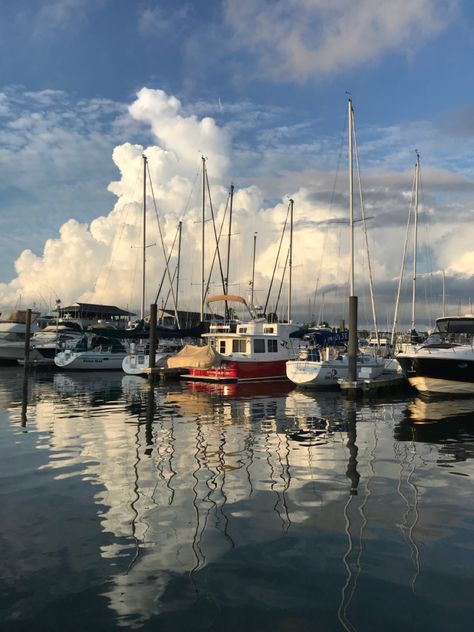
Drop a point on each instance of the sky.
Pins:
(260, 90)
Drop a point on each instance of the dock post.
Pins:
(27, 337)
(24, 400)
(152, 346)
(353, 342)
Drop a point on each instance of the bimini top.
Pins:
(230, 298)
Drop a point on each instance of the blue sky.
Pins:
(273, 76)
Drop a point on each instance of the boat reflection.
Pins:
(446, 422)
(423, 410)
(200, 494)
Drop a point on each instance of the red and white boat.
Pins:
(245, 351)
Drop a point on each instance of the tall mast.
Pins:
(203, 234)
(228, 239)
(444, 294)
(350, 114)
(180, 228)
(253, 267)
(353, 303)
(290, 260)
(415, 239)
(142, 309)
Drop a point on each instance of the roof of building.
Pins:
(95, 309)
(186, 315)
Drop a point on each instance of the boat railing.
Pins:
(229, 327)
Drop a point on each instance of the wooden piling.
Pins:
(152, 346)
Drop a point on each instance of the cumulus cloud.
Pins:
(99, 260)
(300, 39)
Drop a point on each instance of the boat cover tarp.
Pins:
(194, 357)
(325, 338)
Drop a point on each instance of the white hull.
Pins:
(439, 386)
(12, 351)
(327, 373)
(89, 361)
(139, 364)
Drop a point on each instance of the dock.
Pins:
(163, 373)
(372, 386)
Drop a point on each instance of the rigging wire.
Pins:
(215, 233)
(277, 258)
(281, 281)
(402, 270)
(364, 223)
(163, 245)
(217, 248)
(164, 271)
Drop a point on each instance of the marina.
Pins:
(236, 320)
(189, 505)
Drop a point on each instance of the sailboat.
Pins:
(105, 349)
(322, 368)
(443, 364)
(405, 342)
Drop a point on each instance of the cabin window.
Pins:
(268, 330)
(238, 346)
(272, 346)
(221, 346)
(259, 345)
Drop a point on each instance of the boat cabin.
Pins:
(256, 339)
(453, 330)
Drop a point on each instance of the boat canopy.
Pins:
(230, 298)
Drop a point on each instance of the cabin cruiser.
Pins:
(444, 362)
(13, 335)
(53, 338)
(99, 353)
(239, 351)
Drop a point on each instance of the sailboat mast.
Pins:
(253, 268)
(351, 198)
(228, 239)
(203, 234)
(353, 303)
(290, 261)
(180, 228)
(444, 294)
(142, 309)
(415, 239)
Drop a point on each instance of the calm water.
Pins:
(262, 508)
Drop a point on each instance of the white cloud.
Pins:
(101, 261)
(153, 19)
(299, 39)
(185, 136)
(55, 15)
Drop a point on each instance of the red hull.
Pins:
(240, 372)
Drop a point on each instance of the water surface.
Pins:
(198, 507)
